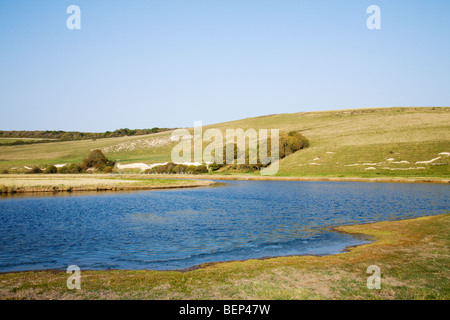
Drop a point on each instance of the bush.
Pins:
(299, 137)
(96, 159)
(169, 167)
(291, 142)
(71, 168)
(214, 166)
(200, 169)
(110, 163)
(35, 170)
(51, 169)
(4, 171)
(108, 169)
(179, 168)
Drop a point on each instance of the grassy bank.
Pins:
(413, 255)
(73, 183)
(258, 177)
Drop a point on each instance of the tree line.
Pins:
(59, 135)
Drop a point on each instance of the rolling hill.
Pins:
(378, 142)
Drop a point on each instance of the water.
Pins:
(173, 229)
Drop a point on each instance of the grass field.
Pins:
(72, 183)
(387, 142)
(413, 257)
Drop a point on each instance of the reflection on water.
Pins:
(171, 229)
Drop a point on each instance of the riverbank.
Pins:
(45, 183)
(413, 256)
(77, 183)
(293, 178)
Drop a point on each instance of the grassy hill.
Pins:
(404, 142)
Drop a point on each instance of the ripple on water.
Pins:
(175, 229)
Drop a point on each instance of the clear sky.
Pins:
(167, 63)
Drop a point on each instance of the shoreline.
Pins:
(102, 184)
(200, 181)
(242, 177)
(335, 179)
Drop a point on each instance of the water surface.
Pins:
(172, 229)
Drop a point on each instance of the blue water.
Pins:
(173, 229)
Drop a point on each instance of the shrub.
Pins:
(170, 166)
(96, 159)
(200, 169)
(51, 169)
(108, 169)
(110, 163)
(291, 142)
(4, 171)
(71, 168)
(35, 170)
(214, 166)
(179, 168)
(299, 137)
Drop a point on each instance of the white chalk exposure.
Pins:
(144, 166)
(429, 161)
(138, 144)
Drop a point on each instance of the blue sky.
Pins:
(167, 63)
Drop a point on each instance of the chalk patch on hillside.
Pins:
(144, 166)
(444, 154)
(141, 166)
(138, 144)
(429, 161)
(410, 168)
(182, 137)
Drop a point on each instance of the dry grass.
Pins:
(53, 183)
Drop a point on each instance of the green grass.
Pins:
(338, 139)
(413, 256)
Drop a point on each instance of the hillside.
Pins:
(406, 142)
